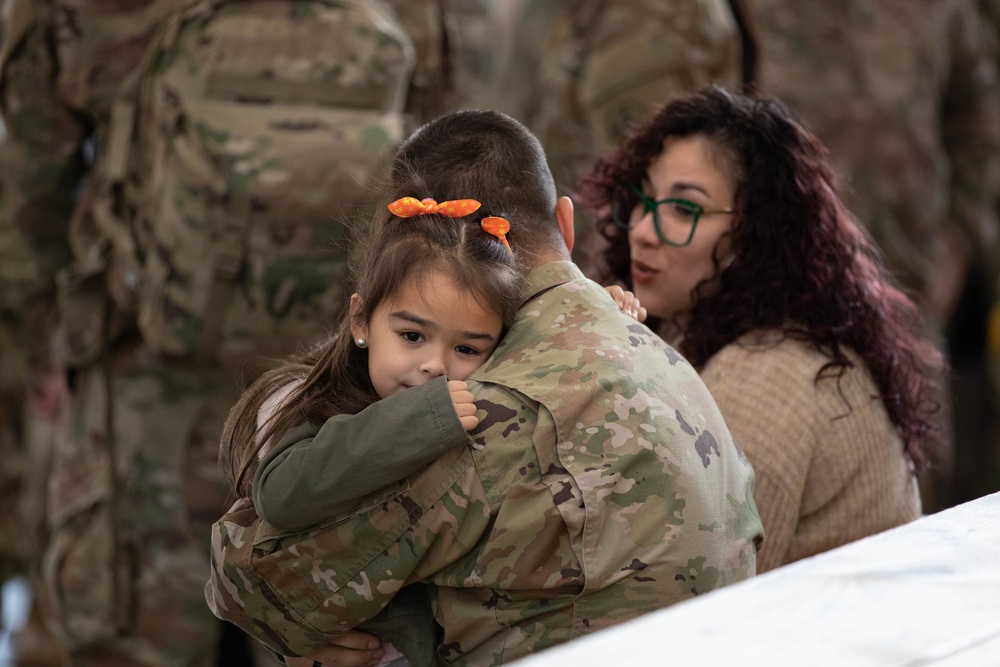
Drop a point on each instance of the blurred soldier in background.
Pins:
(62, 65)
(196, 171)
(33, 248)
(903, 92)
(578, 72)
(974, 338)
(32, 394)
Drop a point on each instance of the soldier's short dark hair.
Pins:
(488, 156)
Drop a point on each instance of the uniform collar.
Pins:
(545, 277)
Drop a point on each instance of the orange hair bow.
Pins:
(407, 207)
(498, 227)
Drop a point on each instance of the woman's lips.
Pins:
(642, 273)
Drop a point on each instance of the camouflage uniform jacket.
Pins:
(580, 73)
(915, 127)
(601, 484)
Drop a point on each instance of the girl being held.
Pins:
(437, 285)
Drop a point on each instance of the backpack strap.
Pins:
(113, 164)
(230, 249)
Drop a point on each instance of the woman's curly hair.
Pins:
(800, 262)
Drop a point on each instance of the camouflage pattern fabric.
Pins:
(904, 95)
(579, 73)
(40, 159)
(247, 159)
(134, 485)
(456, 55)
(601, 484)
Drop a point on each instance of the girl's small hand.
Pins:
(464, 404)
(627, 302)
(352, 649)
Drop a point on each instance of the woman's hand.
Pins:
(464, 404)
(353, 649)
(627, 302)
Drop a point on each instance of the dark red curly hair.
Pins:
(801, 263)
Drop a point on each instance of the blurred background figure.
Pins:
(579, 73)
(904, 94)
(184, 186)
(33, 248)
(977, 386)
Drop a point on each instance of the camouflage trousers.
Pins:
(135, 486)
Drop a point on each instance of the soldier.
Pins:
(974, 343)
(32, 391)
(579, 73)
(600, 484)
(32, 395)
(104, 157)
(60, 78)
(903, 94)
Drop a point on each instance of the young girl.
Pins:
(436, 286)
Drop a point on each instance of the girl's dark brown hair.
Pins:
(333, 378)
(800, 263)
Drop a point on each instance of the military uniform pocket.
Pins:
(79, 332)
(87, 578)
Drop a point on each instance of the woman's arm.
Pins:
(313, 474)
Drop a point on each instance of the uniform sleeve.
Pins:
(297, 592)
(766, 399)
(315, 474)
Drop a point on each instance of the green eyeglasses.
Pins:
(673, 219)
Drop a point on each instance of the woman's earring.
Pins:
(362, 343)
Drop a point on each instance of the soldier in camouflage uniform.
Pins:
(578, 73)
(32, 395)
(60, 77)
(32, 391)
(974, 337)
(903, 94)
(600, 484)
(135, 483)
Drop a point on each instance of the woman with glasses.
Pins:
(721, 213)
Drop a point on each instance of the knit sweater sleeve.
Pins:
(766, 395)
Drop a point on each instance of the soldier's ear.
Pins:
(564, 216)
(359, 326)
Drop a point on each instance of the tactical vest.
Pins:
(252, 140)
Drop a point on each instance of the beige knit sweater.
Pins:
(825, 474)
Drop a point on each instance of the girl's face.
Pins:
(663, 275)
(431, 327)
